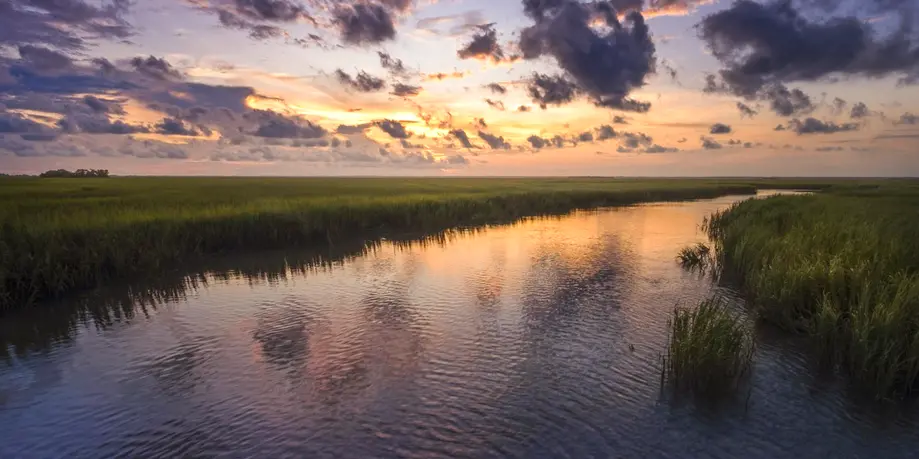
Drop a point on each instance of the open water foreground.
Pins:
(540, 339)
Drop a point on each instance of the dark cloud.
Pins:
(815, 126)
(523, 108)
(659, 149)
(586, 137)
(635, 139)
(457, 160)
(720, 128)
(463, 138)
(746, 110)
(908, 118)
(259, 17)
(859, 110)
(174, 126)
(551, 90)
(604, 64)
(484, 46)
(606, 132)
(405, 90)
(11, 122)
(709, 143)
(779, 127)
(62, 24)
(394, 66)
(772, 43)
(619, 120)
(98, 105)
(558, 141)
(156, 68)
(364, 82)
(839, 105)
(480, 122)
(496, 88)
(493, 141)
(364, 23)
(43, 59)
(537, 142)
(395, 129)
(787, 102)
(496, 104)
(275, 125)
(99, 124)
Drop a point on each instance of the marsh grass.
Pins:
(709, 351)
(841, 267)
(697, 257)
(61, 235)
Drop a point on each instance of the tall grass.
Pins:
(59, 235)
(842, 267)
(710, 349)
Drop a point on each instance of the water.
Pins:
(540, 339)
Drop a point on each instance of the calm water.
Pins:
(512, 341)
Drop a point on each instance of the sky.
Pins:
(461, 87)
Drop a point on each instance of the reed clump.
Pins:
(698, 257)
(709, 351)
(842, 267)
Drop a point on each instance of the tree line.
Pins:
(79, 173)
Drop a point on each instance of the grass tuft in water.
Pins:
(710, 349)
(697, 257)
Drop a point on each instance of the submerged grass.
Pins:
(58, 235)
(841, 266)
(710, 349)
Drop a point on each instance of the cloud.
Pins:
(457, 160)
(523, 108)
(720, 128)
(605, 132)
(66, 25)
(772, 43)
(659, 149)
(364, 82)
(496, 88)
(364, 23)
(484, 46)
(405, 90)
(493, 141)
(551, 90)
(394, 66)
(709, 143)
(496, 104)
(537, 142)
(395, 129)
(173, 126)
(156, 68)
(460, 135)
(275, 125)
(11, 122)
(440, 76)
(605, 65)
(619, 120)
(815, 126)
(356, 129)
(635, 139)
(44, 60)
(458, 24)
(908, 118)
(746, 111)
(586, 136)
(98, 105)
(859, 110)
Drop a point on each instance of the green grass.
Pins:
(841, 266)
(58, 235)
(697, 257)
(710, 349)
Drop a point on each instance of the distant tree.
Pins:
(79, 173)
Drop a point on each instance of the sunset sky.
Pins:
(461, 87)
